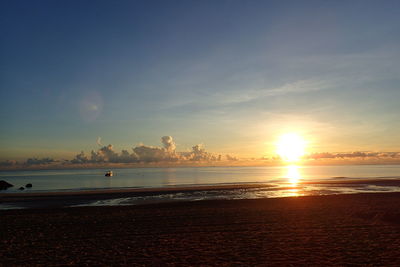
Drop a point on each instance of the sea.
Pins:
(276, 181)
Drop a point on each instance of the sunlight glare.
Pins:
(290, 147)
(293, 174)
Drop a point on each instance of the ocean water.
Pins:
(282, 181)
(92, 179)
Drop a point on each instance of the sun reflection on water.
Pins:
(293, 174)
(294, 192)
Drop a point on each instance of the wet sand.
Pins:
(361, 229)
(71, 198)
(26, 199)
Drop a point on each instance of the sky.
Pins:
(232, 75)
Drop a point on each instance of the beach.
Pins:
(356, 229)
(200, 133)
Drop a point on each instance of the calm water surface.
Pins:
(283, 181)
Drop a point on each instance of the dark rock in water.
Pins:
(21, 188)
(4, 185)
(28, 185)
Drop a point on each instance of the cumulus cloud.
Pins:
(144, 153)
(126, 157)
(199, 153)
(105, 154)
(156, 154)
(149, 153)
(80, 158)
(168, 143)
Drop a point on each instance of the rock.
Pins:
(21, 188)
(4, 185)
(28, 185)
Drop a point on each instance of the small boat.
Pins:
(109, 174)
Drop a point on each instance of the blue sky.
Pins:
(233, 75)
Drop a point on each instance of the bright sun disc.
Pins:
(290, 147)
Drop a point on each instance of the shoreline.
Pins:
(71, 198)
(130, 191)
(171, 194)
(334, 230)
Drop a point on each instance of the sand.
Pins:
(73, 198)
(362, 229)
(37, 199)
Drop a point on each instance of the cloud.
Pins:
(356, 154)
(80, 158)
(36, 161)
(168, 143)
(150, 154)
(167, 153)
(157, 154)
(125, 157)
(242, 96)
(98, 141)
(200, 154)
(107, 154)
(8, 163)
(144, 153)
(231, 158)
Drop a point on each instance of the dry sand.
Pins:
(361, 229)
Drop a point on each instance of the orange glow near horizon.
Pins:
(290, 147)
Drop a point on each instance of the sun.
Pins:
(290, 147)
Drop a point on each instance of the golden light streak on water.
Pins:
(293, 174)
